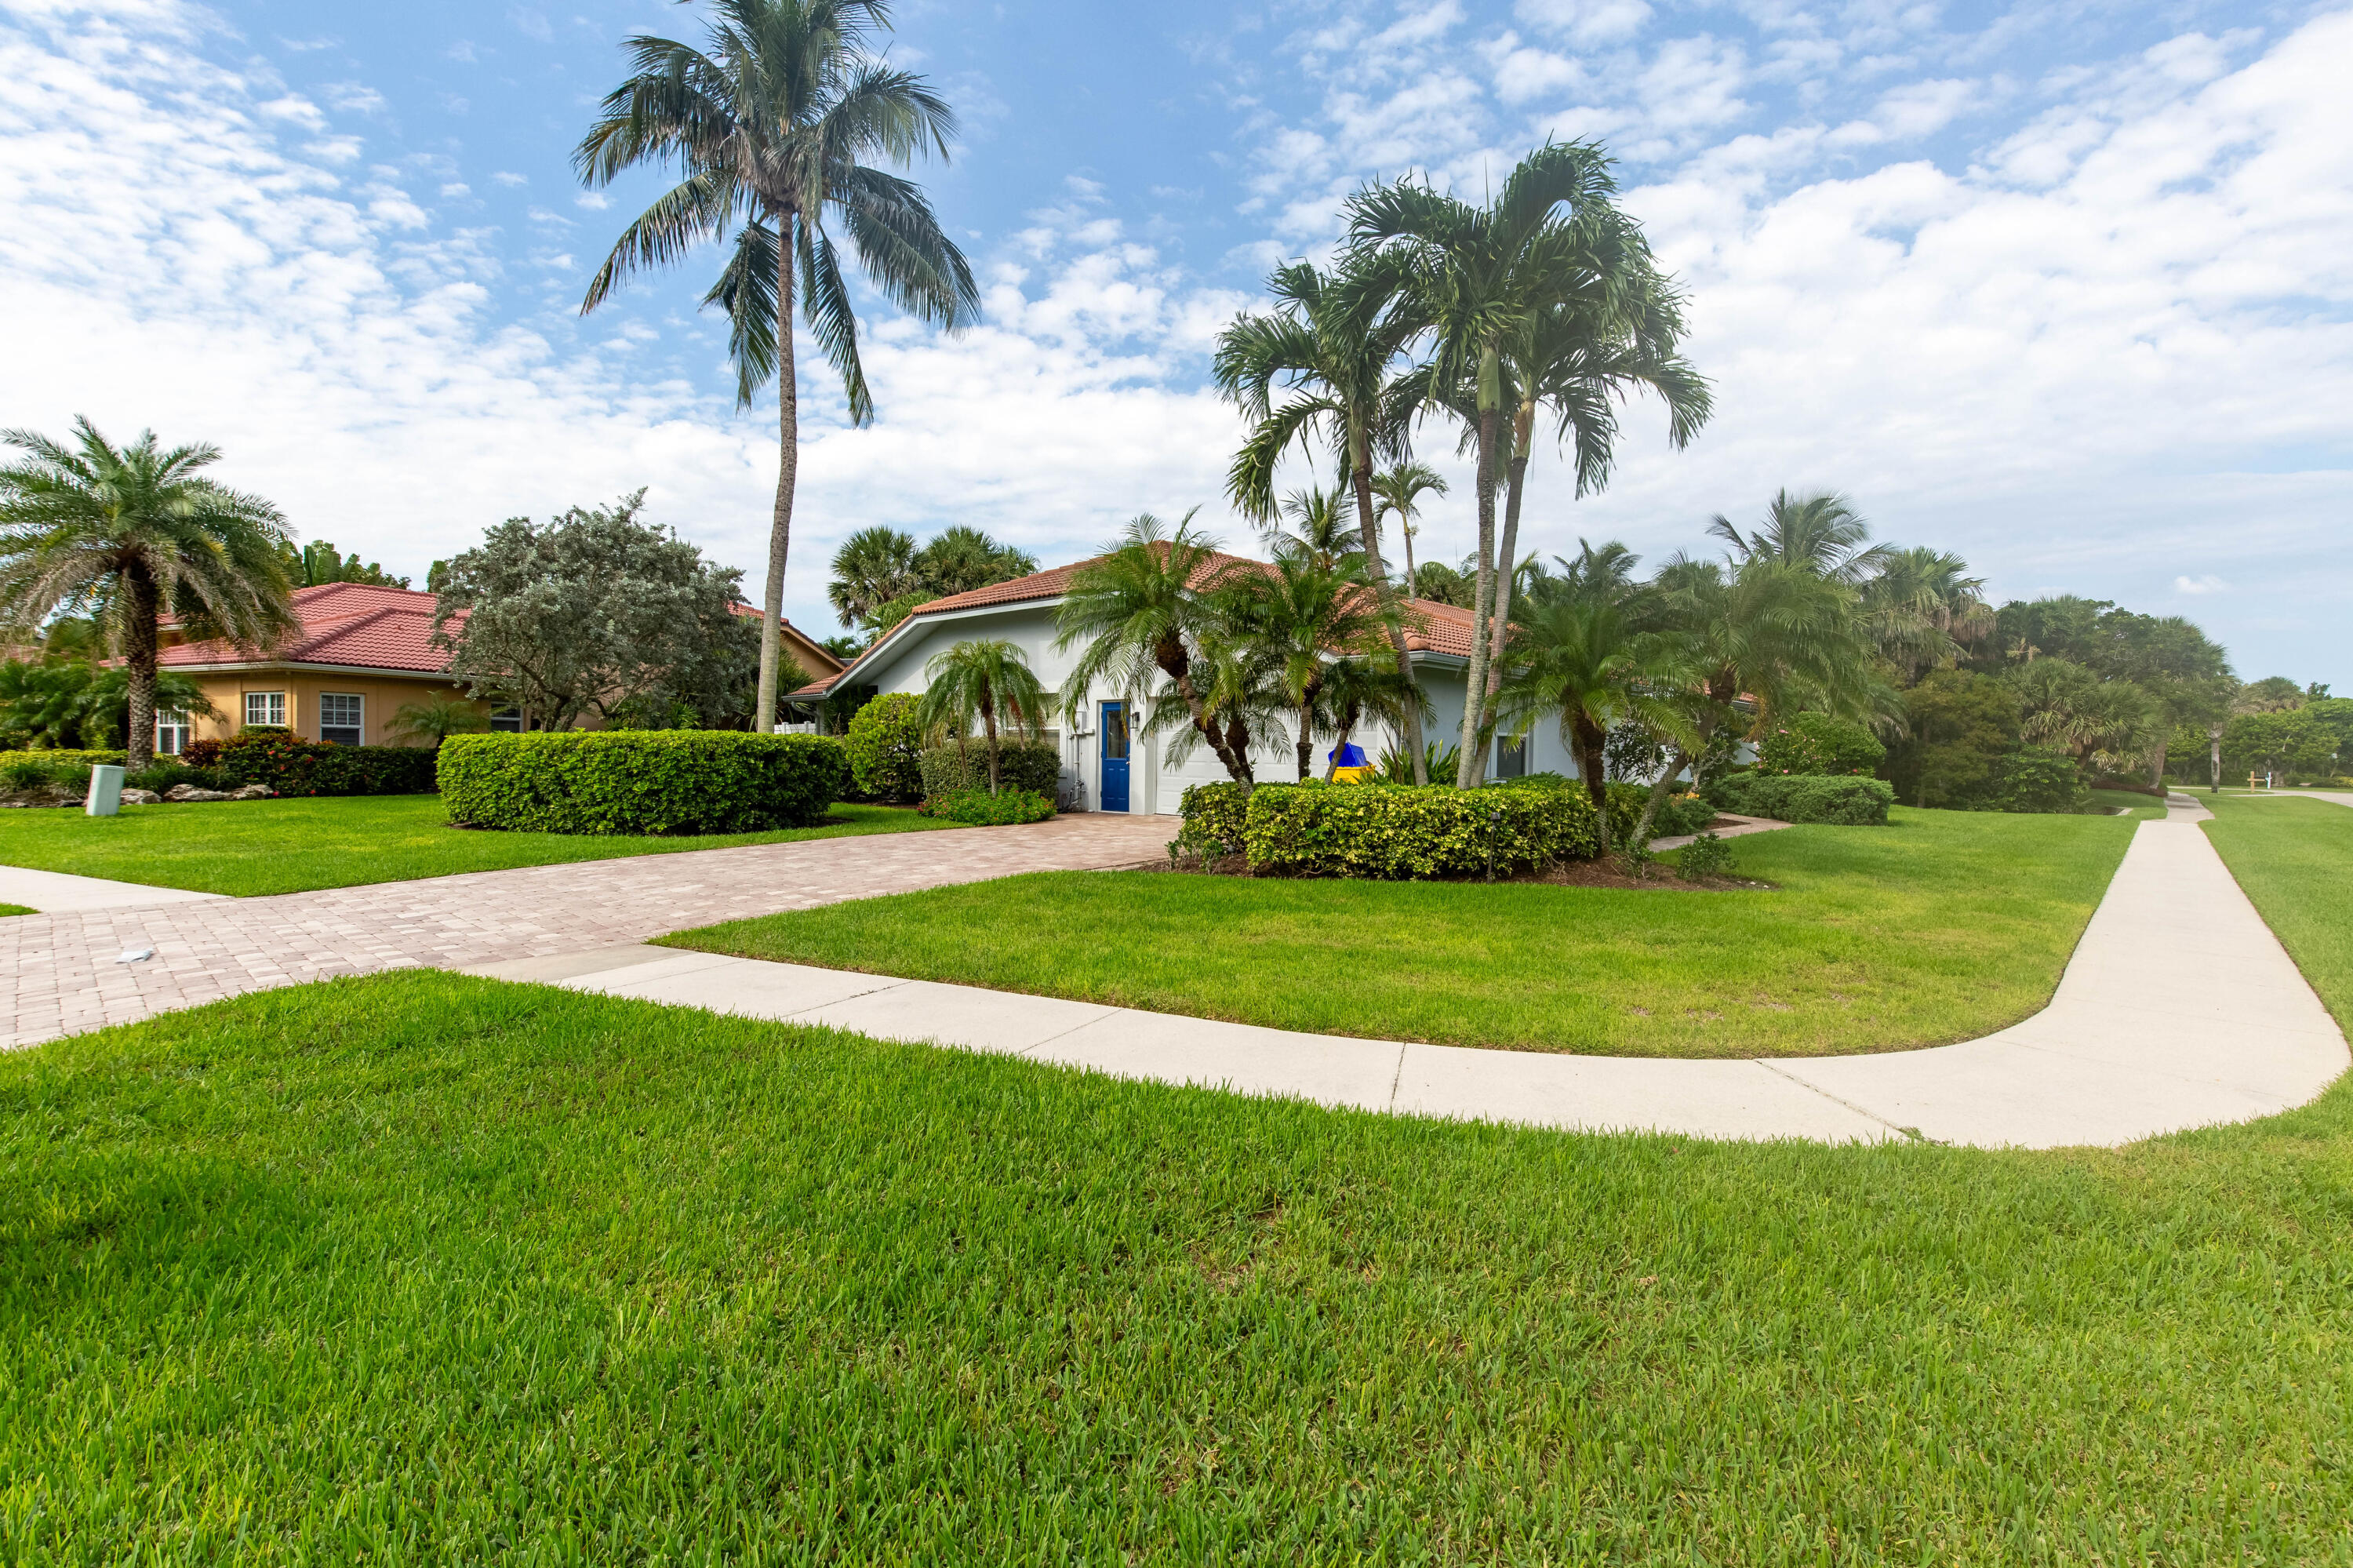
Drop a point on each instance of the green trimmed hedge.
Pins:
(886, 746)
(1804, 797)
(291, 765)
(1678, 814)
(64, 757)
(641, 781)
(1391, 833)
(1215, 812)
(983, 809)
(1033, 765)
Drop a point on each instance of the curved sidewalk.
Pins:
(2178, 1009)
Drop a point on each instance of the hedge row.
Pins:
(1391, 833)
(63, 757)
(1804, 797)
(1033, 765)
(983, 809)
(641, 781)
(291, 765)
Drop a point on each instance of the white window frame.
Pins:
(359, 730)
(174, 730)
(285, 708)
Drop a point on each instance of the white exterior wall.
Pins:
(1156, 783)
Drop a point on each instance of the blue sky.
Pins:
(2065, 288)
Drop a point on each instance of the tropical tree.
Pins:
(1145, 613)
(1820, 532)
(1764, 635)
(961, 559)
(2101, 723)
(1398, 490)
(1318, 524)
(1320, 366)
(435, 716)
(126, 534)
(986, 679)
(1299, 617)
(1548, 277)
(774, 128)
(69, 703)
(1585, 663)
(1921, 606)
(873, 567)
(320, 562)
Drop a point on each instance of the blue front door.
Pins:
(1114, 757)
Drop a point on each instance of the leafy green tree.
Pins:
(885, 742)
(1398, 490)
(1142, 613)
(775, 129)
(989, 680)
(1924, 609)
(1818, 744)
(124, 534)
(435, 716)
(69, 703)
(1961, 728)
(2101, 723)
(1586, 663)
(1441, 584)
(320, 562)
(889, 615)
(1321, 365)
(594, 613)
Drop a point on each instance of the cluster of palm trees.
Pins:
(1542, 304)
(879, 573)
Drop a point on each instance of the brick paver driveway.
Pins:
(64, 973)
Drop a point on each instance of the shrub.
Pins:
(170, 773)
(885, 746)
(641, 781)
(2037, 780)
(291, 765)
(1678, 814)
(63, 757)
(1846, 801)
(1820, 746)
(1033, 765)
(982, 809)
(203, 753)
(1321, 830)
(1706, 855)
(1215, 812)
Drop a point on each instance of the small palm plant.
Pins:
(127, 533)
(989, 680)
(1587, 664)
(1298, 617)
(436, 716)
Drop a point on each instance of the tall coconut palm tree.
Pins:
(986, 679)
(1475, 279)
(128, 533)
(1298, 616)
(873, 567)
(1321, 365)
(1398, 490)
(1146, 612)
(1585, 663)
(1820, 532)
(772, 128)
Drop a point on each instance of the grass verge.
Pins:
(8, 909)
(249, 847)
(1943, 925)
(420, 1269)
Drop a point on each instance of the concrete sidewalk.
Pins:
(57, 891)
(2180, 1008)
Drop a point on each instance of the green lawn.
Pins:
(247, 847)
(421, 1268)
(1943, 925)
(6, 910)
(2141, 808)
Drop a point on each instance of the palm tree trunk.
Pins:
(1361, 461)
(789, 462)
(1473, 766)
(1405, 532)
(1677, 760)
(2157, 767)
(2214, 761)
(1590, 741)
(1523, 422)
(988, 727)
(139, 658)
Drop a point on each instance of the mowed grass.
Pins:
(421, 1268)
(247, 847)
(2141, 808)
(1943, 926)
(8, 909)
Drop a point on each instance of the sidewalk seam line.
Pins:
(1834, 1099)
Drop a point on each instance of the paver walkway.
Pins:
(2178, 1009)
(63, 974)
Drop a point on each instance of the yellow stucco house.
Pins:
(360, 654)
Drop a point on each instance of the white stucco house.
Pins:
(1106, 765)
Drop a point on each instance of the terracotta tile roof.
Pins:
(355, 624)
(1432, 627)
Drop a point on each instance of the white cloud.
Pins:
(1587, 21)
(2208, 583)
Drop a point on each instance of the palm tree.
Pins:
(1144, 610)
(1398, 490)
(1585, 660)
(1327, 350)
(1478, 279)
(1298, 616)
(1820, 532)
(1761, 632)
(129, 533)
(872, 568)
(1320, 529)
(772, 126)
(990, 680)
(961, 559)
(1921, 606)
(435, 716)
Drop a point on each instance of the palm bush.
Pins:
(987, 680)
